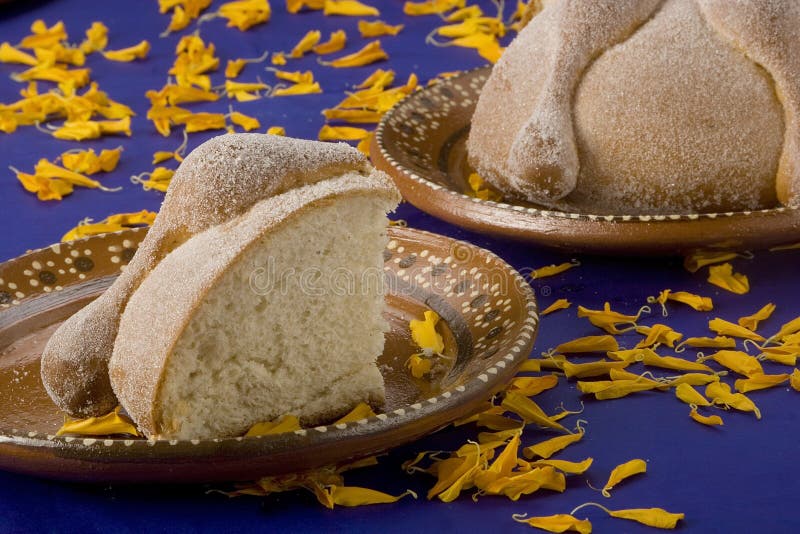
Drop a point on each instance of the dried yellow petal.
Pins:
(370, 53)
(737, 361)
(622, 472)
(699, 259)
(546, 449)
(782, 354)
(589, 344)
(608, 320)
(109, 424)
(88, 162)
(335, 42)
(560, 304)
(358, 116)
(525, 483)
(377, 28)
(245, 121)
(719, 342)
(726, 328)
(696, 302)
(361, 411)
(571, 468)
(112, 223)
(794, 380)
(788, 329)
(552, 270)
(720, 394)
(555, 523)
(306, 44)
(652, 517)
(689, 395)
(297, 89)
(46, 169)
(287, 423)
(670, 362)
(757, 382)
(278, 58)
(751, 321)
(338, 133)
(617, 388)
(591, 369)
(137, 51)
(694, 379)
(45, 188)
(724, 277)
(9, 54)
(244, 14)
(294, 6)
(529, 411)
(658, 334)
(201, 122)
(44, 37)
(431, 7)
(708, 420)
(419, 365)
(276, 130)
(479, 188)
(378, 79)
(355, 496)
(350, 8)
(533, 385)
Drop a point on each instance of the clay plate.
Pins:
(489, 324)
(421, 144)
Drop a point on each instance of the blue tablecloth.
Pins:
(735, 478)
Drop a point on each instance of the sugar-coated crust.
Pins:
(167, 299)
(522, 140)
(525, 133)
(768, 32)
(219, 180)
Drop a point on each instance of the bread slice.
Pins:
(278, 311)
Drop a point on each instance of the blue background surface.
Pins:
(737, 478)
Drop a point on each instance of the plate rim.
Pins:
(476, 390)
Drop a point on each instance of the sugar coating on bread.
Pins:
(219, 180)
(638, 107)
(277, 311)
(675, 119)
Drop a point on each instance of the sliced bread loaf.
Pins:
(273, 312)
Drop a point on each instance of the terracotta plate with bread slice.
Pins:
(489, 322)
(421, 143)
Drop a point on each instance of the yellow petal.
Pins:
(708, 420)
(560, 304)
(530, 366)
(726, 328)
(751, 321)
(361, 411)
(96, 38)
(719, 342)
(244, 14)
(431, 7)
(9, 54)
(552, 270)
(617, 388)
(571, 468)
(694, 301)
(200, 122)
(757, 382)
(652, 517)
(546, 449)
(49, 170)
(335, 42)
(720, 393)
(556, 523)
(607, 319)
(294, 6)
(341, 133)
(782, 354)
(295, 77)
(794, 380)
(355, 496)
(377, 28)
(161, 156)
(622, 472)
(370, 53)
(699, 259)
(245, 121)
(658, 334)
(424, 333)
(44, 37)
(276, 130)
(357, 116)
(287, 423)
(109, 424)
(351, 8)
(234, 67)
(137, 51)
(419, 365)
(306, 43)
(694, 379)
(591, 369)
(378, 79)
(529, 410)
(670, 362)
(689, 395)
(792, 327)
(278, 58)
(589, 344)
(298, 89)
(738, 362)
(533, 385)
(724, 277)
